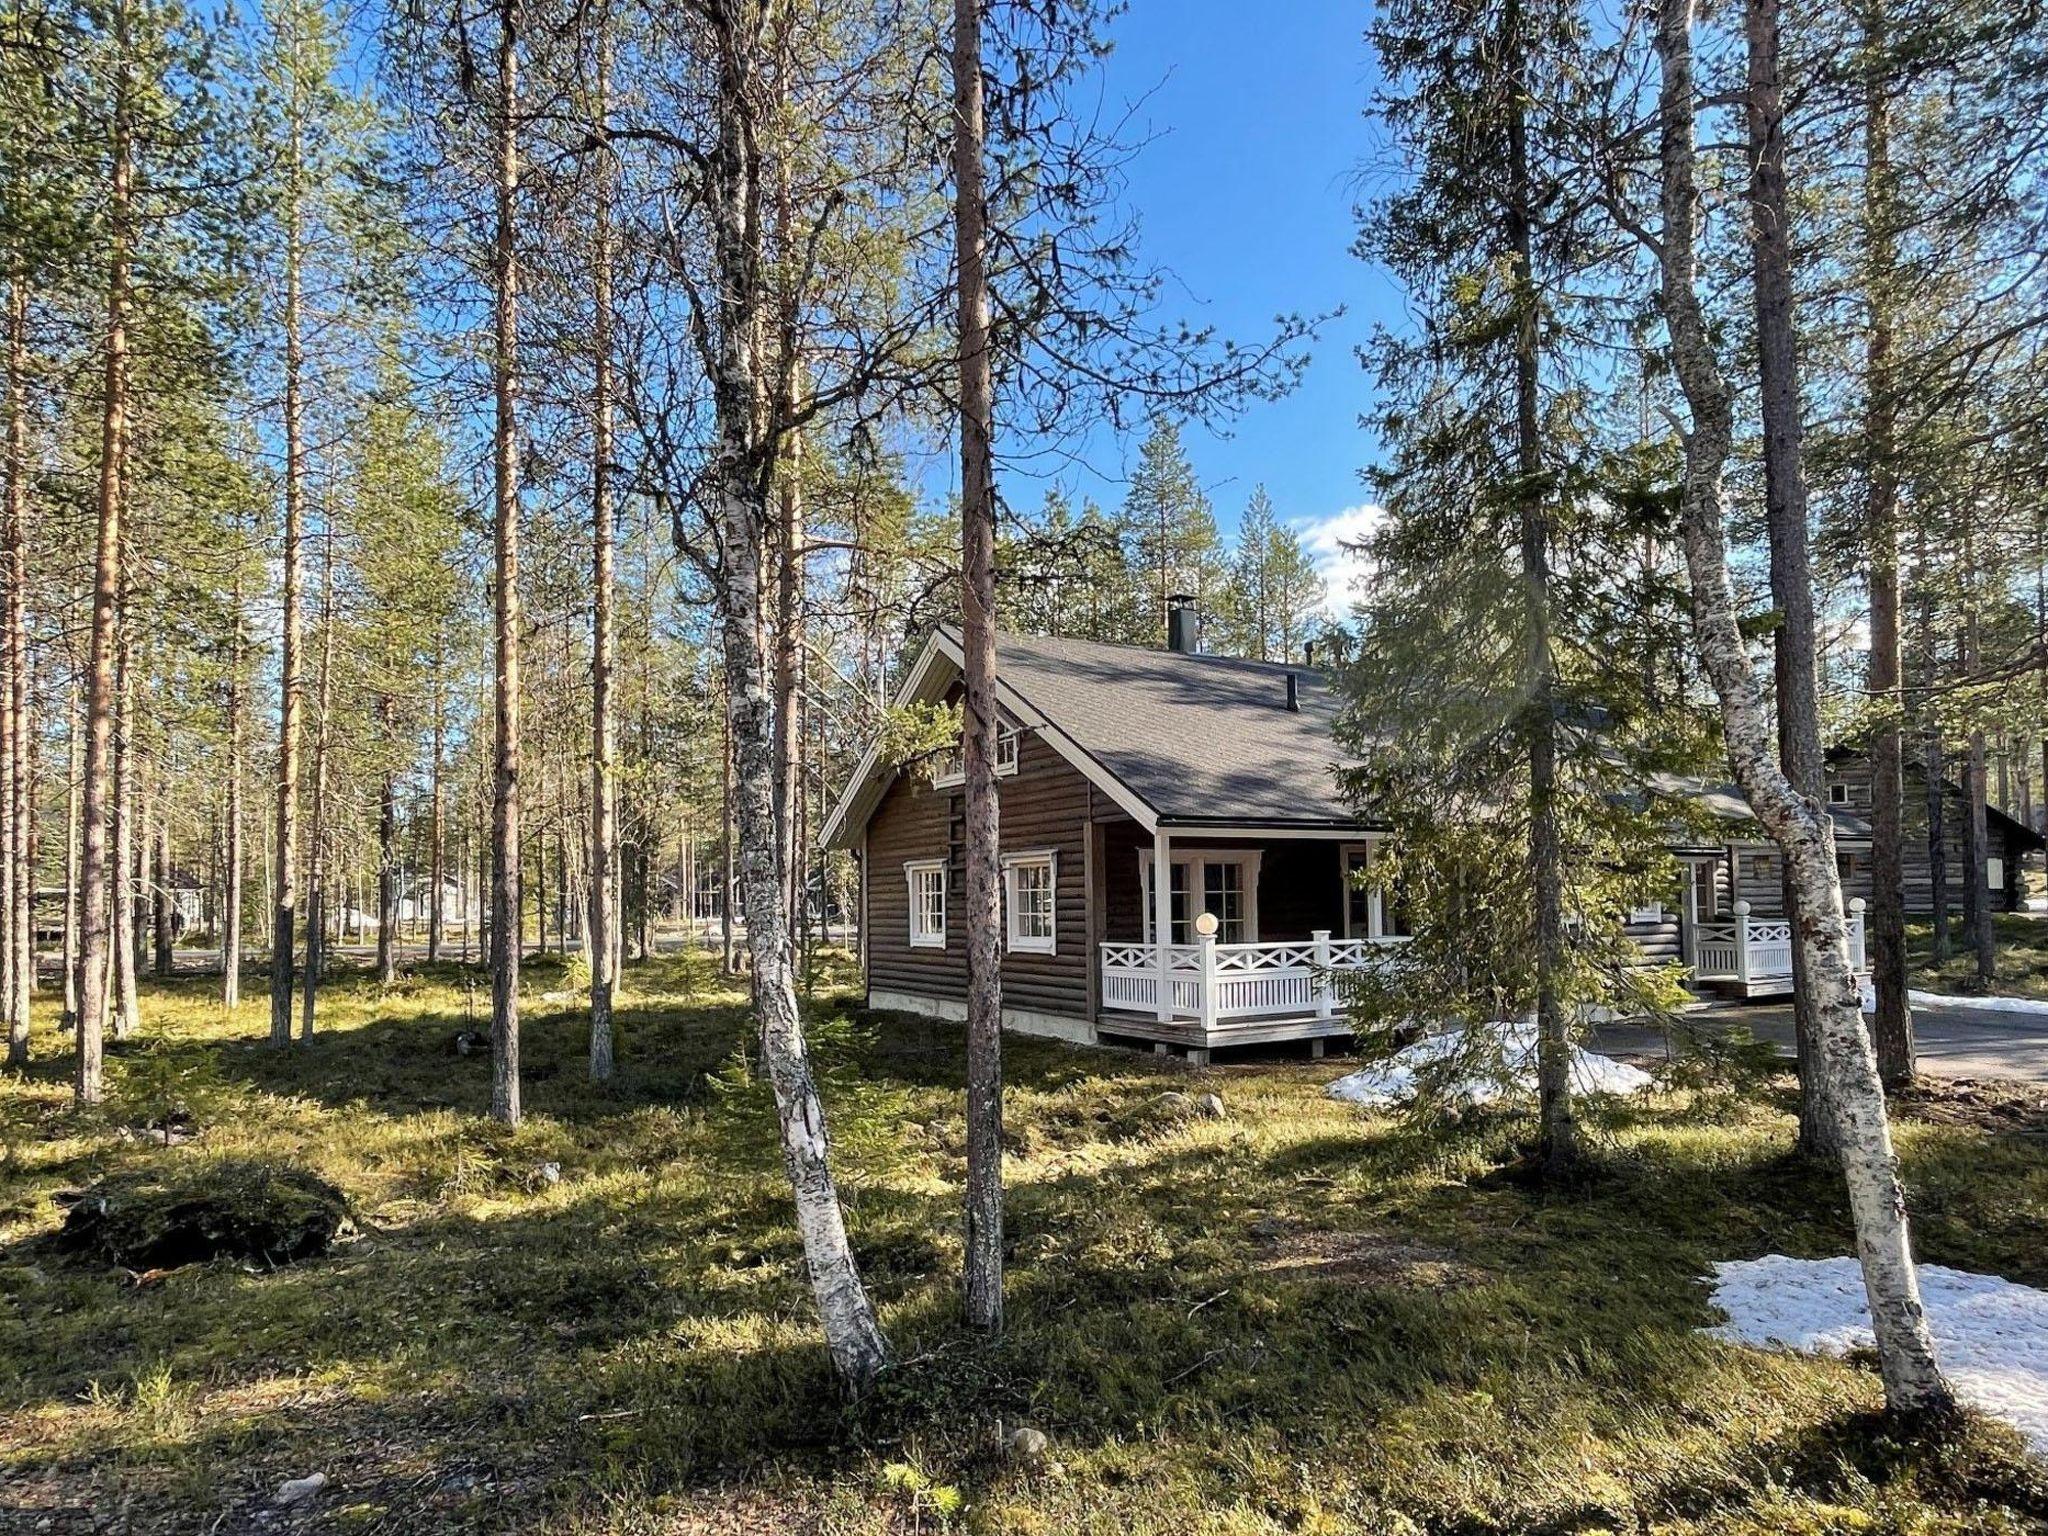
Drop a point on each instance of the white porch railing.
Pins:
(1208, 981)
(1759, 948)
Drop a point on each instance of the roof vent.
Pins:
(1293, 694)
(1183, 624)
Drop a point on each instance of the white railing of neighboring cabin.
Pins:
(1751, 948)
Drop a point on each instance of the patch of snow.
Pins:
(1991, 1335)
(1395, 1080)
(2035, 1005)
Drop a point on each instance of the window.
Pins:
(927, 903)
(1838, 794)
(949, 770)
(1845, 867)
(1653, 912)
(1994, 873)
(1372, 911)
(1760, 866)
(1228, 885)
(1028, 902)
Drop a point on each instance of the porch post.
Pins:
(1321, 936)
(1162, 920)
(1857, 934)
(1742, 942)
(1208, 1002)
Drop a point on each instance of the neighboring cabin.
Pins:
(1118, 760)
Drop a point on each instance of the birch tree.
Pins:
(1798, 825)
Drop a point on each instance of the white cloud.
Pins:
(1333, 543)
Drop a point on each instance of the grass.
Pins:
(1301, 1318)
(2022, 957)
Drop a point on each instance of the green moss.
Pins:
(1295, 1319)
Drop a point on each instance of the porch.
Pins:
(1751, 956)
(1207, 994)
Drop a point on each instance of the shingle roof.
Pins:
(1201, 739)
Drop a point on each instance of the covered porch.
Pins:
(1260, 929)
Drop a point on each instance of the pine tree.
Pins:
(1175, 544)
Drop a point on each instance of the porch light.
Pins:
(1205, 925)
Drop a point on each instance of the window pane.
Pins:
(1177, 897)
(1223, 894)
(1031, 900)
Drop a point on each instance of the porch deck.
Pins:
(1751, 956)
(1205, 995)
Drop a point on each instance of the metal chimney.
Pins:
(1293, 694)
(1183, 624)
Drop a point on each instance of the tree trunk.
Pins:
(1912, 1378)
(157, 827)
(1558, 1148)
(90, 970)
(74, 775)
(234, 855)
(387, 861)
(1795, 645)
(437, 873)
(599, 942)
(317, 849)
(505, 872)
(982, 912)
(127, 1011)
(1892, 1024)
(740, 476)
(1977, 893)
(291, 685)
(20, 877)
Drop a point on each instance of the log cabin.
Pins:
(1115, 762)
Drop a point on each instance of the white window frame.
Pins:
(1198, 860)
(1838, 794)
(1994, 871)
(1007, 753)
(1649, 912)
(1046, 943)
(921, 937)
(1375, 898)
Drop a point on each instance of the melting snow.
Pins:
(1985, 1004)
(1991, 1335)
(1394, 1081)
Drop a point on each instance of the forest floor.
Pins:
(1300, 1317)
(2021, 953)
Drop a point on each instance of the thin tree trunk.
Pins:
(20, 878)
(1892, 1024)
(1558, 1150)
(437, 874)
(505, 871)
(127, 1011)
(600, 942)
(291, 683)
(982, 910)
(90, 971)
(234, 855)
(1795, 649)
(317, 852)
(1912, 1378)
(157, 826)
(1977, 905)
(387, 861)
(74, 775)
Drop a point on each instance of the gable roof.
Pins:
(1177, 740)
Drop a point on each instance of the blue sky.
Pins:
(1246, 192)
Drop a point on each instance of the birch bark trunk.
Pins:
(741, 475)
(127, 1009)
(982, 909)
(234, 853)
(1796, 823)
